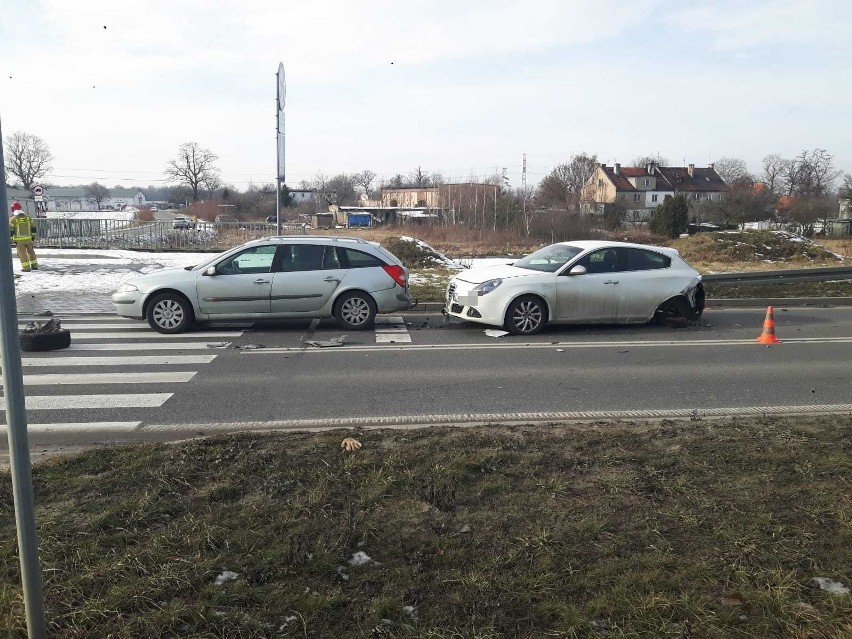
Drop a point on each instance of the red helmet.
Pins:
(16, 206)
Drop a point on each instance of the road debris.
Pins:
(326, 343)
(218, 344)
(250, 347)
(493, 332)
(350, 444)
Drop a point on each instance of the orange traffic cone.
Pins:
(768, 334)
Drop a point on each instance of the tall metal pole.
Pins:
(277, 155)
(16, 425)
(280, 97)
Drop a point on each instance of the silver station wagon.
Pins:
(349, 279)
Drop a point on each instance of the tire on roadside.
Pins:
(355, 311)
(52, 341)
(169, 313)
(526, 315)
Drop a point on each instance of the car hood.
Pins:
(171, 276)
(485, 273)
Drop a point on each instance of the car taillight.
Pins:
(397, 273)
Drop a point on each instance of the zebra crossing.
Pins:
(106, 370)
(117, 368)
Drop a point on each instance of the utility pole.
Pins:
(16, 425)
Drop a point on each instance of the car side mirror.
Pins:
(577, 270)
(211, 270)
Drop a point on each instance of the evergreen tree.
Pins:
(671, 217)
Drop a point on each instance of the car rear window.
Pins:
(641, 260)
(359, 259)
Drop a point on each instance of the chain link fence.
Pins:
(153, 236)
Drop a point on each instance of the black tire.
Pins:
(45, 341)
(355, 311)
(526, 315)
(169, 313)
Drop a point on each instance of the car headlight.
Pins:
(127, 288)
(487, 287)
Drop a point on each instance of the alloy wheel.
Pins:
(527, 316)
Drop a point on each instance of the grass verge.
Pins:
(676, 529)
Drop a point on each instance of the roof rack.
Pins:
(334, 238)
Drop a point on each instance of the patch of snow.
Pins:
(831, 586)
(225, 576)
(360, 558)
(91, 215)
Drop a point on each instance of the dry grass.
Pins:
(677, 529)
(738, 251)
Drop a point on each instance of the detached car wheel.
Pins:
(169, 313)
(526, 316)
(355, 311)
(49, 341)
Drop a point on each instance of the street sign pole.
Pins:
(280, 97)
(16, 425)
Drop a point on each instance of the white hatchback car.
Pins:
(579, 282)
(349, 279)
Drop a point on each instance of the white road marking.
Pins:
(391, 330)
(393, 338)
(78, 427)
(62, 379)
(66, 402)
(97, 327)
(118, 360)
(140, 346)
(153, 335)
(555, 345)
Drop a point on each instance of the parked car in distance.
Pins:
(348, 279)
(226, 219)
(579, 282)
(182, 222)
(154, 209)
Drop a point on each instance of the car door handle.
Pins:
(331, 279)
(611, 282)
(261, 281)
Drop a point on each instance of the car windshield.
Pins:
(550, 258)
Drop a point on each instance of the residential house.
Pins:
(458, 201)
(639, 190)
(300, 196)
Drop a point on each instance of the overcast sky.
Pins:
(463, 88)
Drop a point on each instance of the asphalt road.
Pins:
(457, 369)
(428, 366)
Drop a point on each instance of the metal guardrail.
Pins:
(152, 236)
(780, 277)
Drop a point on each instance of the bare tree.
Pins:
(28, 158)
(364, 179)
(815, 172)
(774, 167)
(733, 171)
(846, 189)
(98, 192)
(807, 210)
(195, 168)
(645, 160)
(563, 185)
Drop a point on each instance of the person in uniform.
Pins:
(23, 232)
